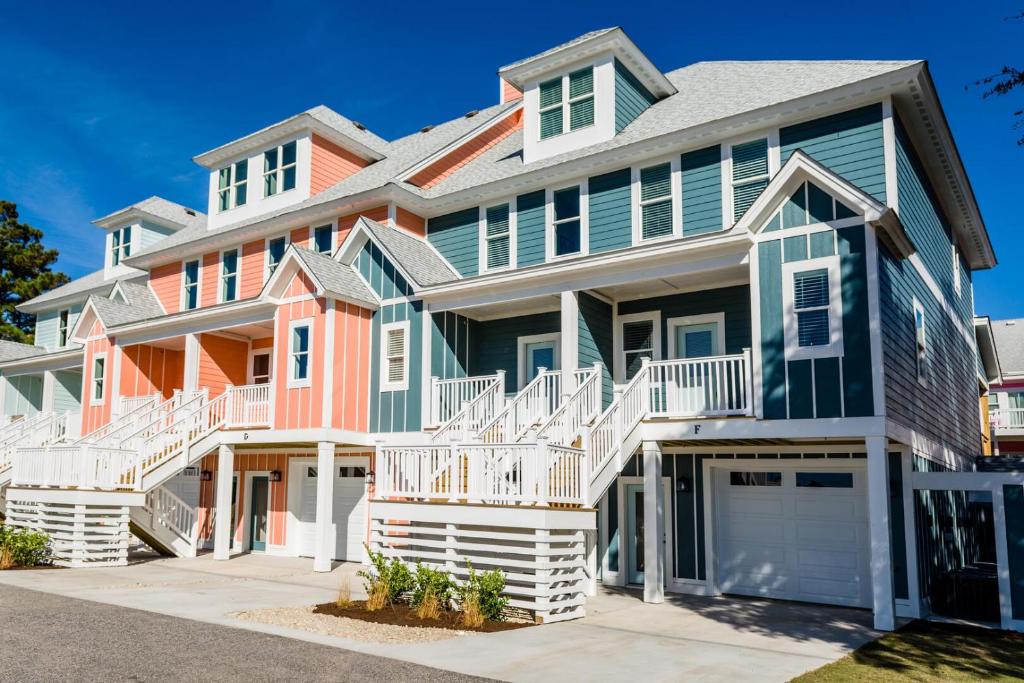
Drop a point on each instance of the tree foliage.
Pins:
(1003, 82)
(25, 272)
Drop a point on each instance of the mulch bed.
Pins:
(25, 569)
(403, 615)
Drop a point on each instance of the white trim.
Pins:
(278, 171)
(287, 237)
(291, 381)
(333, 225)
(93, 400)
(705, 319)
(619, 370)
(889, 151)
(483, 238)
(920, 347)
(549, 221)
(327, 353)
(522, 362)
(232, 186)
(675, 195)
(237, 275)
(199, 284)
(385, 383)
(728, 195)
(835, 309)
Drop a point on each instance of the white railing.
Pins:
(129, 404)
(510, 474)
(1007, 418)
(144, 412)
(82, 466)
(534, 403)
(611, 427)
(449, 396)
(41, 430)
(582, 406)
(700, 387)
(248, 406)
(171, 512)
(474, 414)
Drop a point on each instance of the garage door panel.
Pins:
(739, 528)
(747, 504)
(826, 532)
(812, 560)
(834, 508)
(842, 592)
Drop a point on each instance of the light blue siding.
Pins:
(457, 236)
(67, 391)
(631, 97)
(48, 324)
(24, 395)
(702, 190)
(530, 228)
(151, 233)
(610, 211)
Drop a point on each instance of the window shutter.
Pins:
(810, 289)
(581, 114)
(396, 355)
(581, 82)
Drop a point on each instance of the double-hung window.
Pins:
(232, 185)
(749, 174)
(275, 252)
(299, 352)
(812, 298)
(566, 221)
(99, 367)
(640, 339)
(497, 237)
(323, 238)
(566, 103)
(811, 305)
(62, 327)
(229, 275)
(656, 201)
(120, 244)
(190, 285)
(395, 357)
(279, 168)
(920, 343)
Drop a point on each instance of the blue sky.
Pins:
(104, 104)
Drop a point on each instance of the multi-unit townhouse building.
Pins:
(693, 330)
(1004, 397)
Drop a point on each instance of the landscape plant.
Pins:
(386, 581)
(23, 547)
(432, 593)
(482, 597)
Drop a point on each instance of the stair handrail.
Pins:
(459, 390)
(26, 424)
(456, 427)
(109, 430)
(201, 417)
(611, 428)
(178, 404)
(564, 424)
(171, 511)
(505, 427)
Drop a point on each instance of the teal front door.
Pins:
(635, 533)
(697, 341)
(540, 355)
(258, 513)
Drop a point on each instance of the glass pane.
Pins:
(301, 366)
(638, 335)
(698, 344)
(497, 252)
(655, 182)
(634, 361)
(828, 480)
(550, 92)
(261, 368)
(581, 113)
(191, 272)
(750, 159)
(581, 82)
(270, 160)
(567, 203)
(230, 261)
(656, 219)
(567, 238)
(813, 328)
(755, 478)
(225, 200)
(240, 194)
(241, 171)
(288, 154)
(229, 288)
(126, 240)
(191, 295)
(551, 123)
(322, 239)
(289, 179)
(541, 357)
(497, 220)
(270, 185)
(300, 339)
(744, 195)
(810, 288)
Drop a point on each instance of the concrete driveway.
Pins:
(692, 638)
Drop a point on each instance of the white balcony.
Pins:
(1007, 421)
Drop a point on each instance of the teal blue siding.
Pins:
(24, 395)
(827, 384)
(596, 341)
(773, 343)
(858, 396)
(610, 211)
(631, 97)
(897, 528)
(849, 143)
(1013, 499)
(799, 381)
(378, 270)
(457, 236)
(689, 509)
(397, 411)
(702, 191)
(67, 391)
(449, 345)
(494, 344)
(530, 229)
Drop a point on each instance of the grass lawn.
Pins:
(927, 651)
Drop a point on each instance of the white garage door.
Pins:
(349, 510)
(794, 534)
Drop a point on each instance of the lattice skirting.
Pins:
(543, 552)
(81, 535)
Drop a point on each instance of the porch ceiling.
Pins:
(663, 286)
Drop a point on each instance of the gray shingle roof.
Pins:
(140, 296)
(15, 351)
(93, 283)
(557, 48)
(1009, 336)
(161, 208)
(141, 304)
(338, 278)
(423, 264)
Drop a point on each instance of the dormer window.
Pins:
(120, 244)
(232, 185)
(567, 103)
(279, 169)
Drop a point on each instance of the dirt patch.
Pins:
(403, 615)
(303, 618)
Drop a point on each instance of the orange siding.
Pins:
(300, 237)
(409, 221)
(165, 281)
(263, 343)
(95, 416)
(222, 361)
(471, 149)
(331, 163)
(351, 364)
(346, 223)
(251, 279)
(509, 92)
(148, 369)
(210, 279)
(300, 407)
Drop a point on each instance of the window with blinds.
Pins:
(566, 221)
(637, 344)
(395, 357)
(581, 98)
(566, 103)
(811, 304)
(749, 174)
(656, 201)
(551, 108)
(497, 237)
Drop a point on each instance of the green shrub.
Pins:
(23, 547)
(435, 583)
(484, 592)
(389, 580)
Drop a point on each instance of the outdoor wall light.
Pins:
(371, 478)
(275, 475)
(683, 485)
(206, 475)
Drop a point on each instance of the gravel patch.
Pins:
(304, 619)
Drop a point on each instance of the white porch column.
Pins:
(881, 546)
(324, 546)
(569, 344)
(191, 379)
(590, 544)
(222, 518)
(654, 525)
(49, 379)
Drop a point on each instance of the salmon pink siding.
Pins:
(209, 279)
(263, 343)
(95, 416)
(509, 92)
(409, 221)
(165, 281)
(300, 237)
(330, 164)
(222, 362)
(350, 393)
(147, 370)
(253, 259)
(300, 407)
(346, 223)
(457, 158)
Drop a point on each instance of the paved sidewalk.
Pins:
(708, 639)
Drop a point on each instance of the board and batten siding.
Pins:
(595, 343)
(631, 97)
(449, 345)
(849, 144)
(610, 211)
(397, 411)
(380, 273)
(24, 395)
(456, 237)
(702, 190)
(67, 391)
(494, 344)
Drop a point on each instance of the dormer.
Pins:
(583, 92)
(139, 226)
(285, 164)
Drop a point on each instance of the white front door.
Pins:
(794, 534)
(307, 510)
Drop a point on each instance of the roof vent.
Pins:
(190, 212)
(471, 114)
(358, 125)
(427, 129)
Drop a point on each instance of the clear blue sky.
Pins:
(105, 103)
